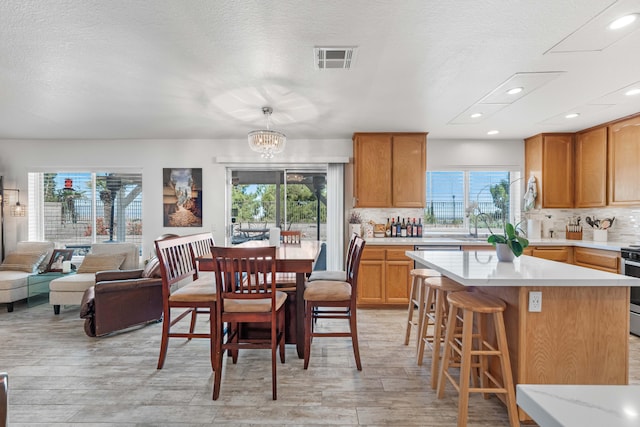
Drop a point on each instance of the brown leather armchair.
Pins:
(121, 299)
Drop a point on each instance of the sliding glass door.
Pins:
(292, 199)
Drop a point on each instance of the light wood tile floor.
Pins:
(60, 377)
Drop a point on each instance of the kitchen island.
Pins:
(581, 333)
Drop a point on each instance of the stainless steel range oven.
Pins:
(631, 267)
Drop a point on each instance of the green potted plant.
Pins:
(509, 244)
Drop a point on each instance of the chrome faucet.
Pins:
(475, 223)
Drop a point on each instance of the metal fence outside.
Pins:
(453, 214)
(72, 223)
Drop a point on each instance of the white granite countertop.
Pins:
(581, 405)
(466, 241)
(481, 268)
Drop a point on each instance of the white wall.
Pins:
(22, 156)
(467, 154)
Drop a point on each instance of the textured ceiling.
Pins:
(203, 69)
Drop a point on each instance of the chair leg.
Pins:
(234, 333)
(213, 335)
(274, 365)
(166, 323)
(410, 310)
(354, 336)
(281, 335)
(192, 327)
(308, 331)
(218, 356)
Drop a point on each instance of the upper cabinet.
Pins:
(549, 157)
(624, 161)
(591, 168)
(389, 169)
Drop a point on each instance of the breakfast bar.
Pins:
(580, 335)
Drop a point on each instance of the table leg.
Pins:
(300, 314)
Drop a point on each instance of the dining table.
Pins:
(290, 258)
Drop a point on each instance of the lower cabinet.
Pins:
(383, 279)
(598, 259)
(553, 253)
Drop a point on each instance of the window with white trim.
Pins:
(476, 201)
(76, 209)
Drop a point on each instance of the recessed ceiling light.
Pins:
(572, 115)
(493, 132)
(623, 21)
(476, 115)
(632, 92)
(514, 90)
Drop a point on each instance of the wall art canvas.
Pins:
(182, 197)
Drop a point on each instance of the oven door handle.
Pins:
(632, 263)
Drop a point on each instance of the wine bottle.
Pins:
(403, 229)
(409, 228)
(398, 228)
(394, 229)
(387, 229)
(419, 227)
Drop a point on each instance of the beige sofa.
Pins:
(13, 284)
(68, 290)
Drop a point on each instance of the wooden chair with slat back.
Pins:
(332, 299)
(246, 293)
(201, 246)
(339, 275)
(287, 281)
(198, 295)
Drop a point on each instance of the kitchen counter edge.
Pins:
(437, 241)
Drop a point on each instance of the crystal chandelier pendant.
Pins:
(267, 142)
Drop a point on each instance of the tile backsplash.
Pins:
(625, 229)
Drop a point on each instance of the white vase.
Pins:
(504, 252)
(355, 228)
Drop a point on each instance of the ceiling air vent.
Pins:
(334, 58)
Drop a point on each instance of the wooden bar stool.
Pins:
(482, 305)
(437, 289)
(417, 297)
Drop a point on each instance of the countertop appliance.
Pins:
(631, 267)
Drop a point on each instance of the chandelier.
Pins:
(265, 141)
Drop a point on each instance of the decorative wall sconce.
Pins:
(17, 209)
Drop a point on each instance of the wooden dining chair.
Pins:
(247, 294)
(339, 275)
(332, 299)
(182, 287)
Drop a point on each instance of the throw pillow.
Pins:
(152, 269)
(23, 261)
(93, 263)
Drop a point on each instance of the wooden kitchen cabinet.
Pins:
(389, 170)
(383, 278)
(597, 258)
(549, 157)
(591, 168)
(371, 276)
(553, 253)
(624, 161)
